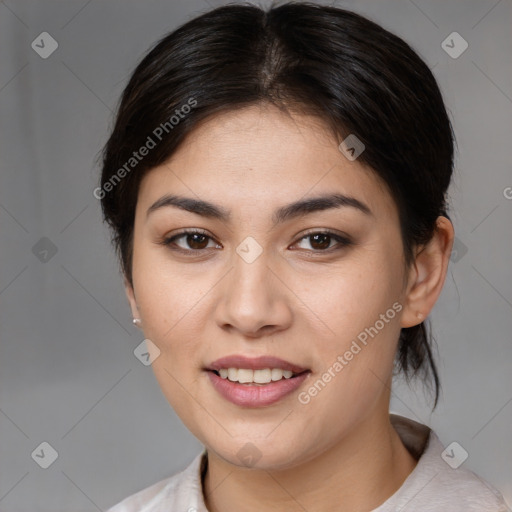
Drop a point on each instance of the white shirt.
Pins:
(432, 486)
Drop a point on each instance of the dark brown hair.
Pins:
(302, 57)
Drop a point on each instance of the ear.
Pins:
(130, 295)
(427, 274)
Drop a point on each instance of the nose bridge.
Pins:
(250, 279)
(250, 298)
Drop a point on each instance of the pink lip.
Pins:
(255, 395)
(256, 363)
(252, 395)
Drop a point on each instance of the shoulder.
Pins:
(462, 489)
(178, 492)
(456, 486)
(439, 482)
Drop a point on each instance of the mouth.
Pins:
(255, 382)
(249, 377)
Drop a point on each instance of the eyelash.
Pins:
(343, 241)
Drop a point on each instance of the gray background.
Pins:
(68, 373)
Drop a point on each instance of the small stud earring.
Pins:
(136, 321)
(420, 315)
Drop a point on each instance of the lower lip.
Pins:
(248, 395)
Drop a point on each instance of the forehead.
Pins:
(262, 157)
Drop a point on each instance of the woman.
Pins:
(276, 185)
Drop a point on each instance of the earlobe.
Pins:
(411, 315)
(130, 295)
(428, 274)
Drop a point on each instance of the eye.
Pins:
(196, 240)
(320, 241)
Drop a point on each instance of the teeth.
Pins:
(262, 376)
(277, 374)
(245, 376)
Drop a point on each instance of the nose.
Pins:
(253, 299)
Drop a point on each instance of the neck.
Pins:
(358, 474)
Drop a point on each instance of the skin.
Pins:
(339, 451)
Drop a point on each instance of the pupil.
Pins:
(321, 236)
(194, 243)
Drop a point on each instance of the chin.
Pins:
(259, 453)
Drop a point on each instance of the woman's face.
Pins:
(257, 285)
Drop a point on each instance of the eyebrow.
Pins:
(282, 214)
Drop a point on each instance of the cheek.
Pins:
(167, 297)
(348, 301)
(355, 374)
(360, 316)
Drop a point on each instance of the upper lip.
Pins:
(254, 363)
